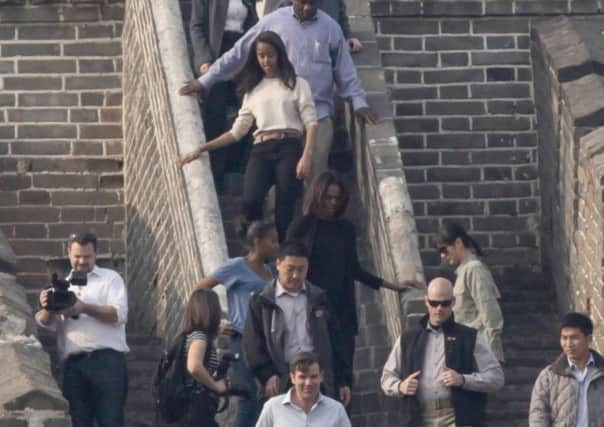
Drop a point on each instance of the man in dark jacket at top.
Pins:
(289, 316)
(442, 369)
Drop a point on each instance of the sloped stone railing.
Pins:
(29, 395)
(174, 227)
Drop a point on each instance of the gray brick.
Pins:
(454, 43)
(455, 123)
(92, 99)
(526, 140)
(503, 207)
(110, 48)
(7, 33)
(34, 198)
(408, 8)
(504, 241)
(69, 181)
(526, 206)
(446, 174)
(409, 109)
(96, 82)
(541, 7)
(448, 8)
(405, 59)
(411, 141)
(500, 223)
(32, 83)
(47, 99)
(524, 74)
(24, 147)
(393, 26)
(452, 191)
(47, 66)
(499, 7)
(420, 158)
(416, 125)
(112, 12)
(87, 148)
(456, 140)
(500, 74)
(7, 67)
(424, 192)
(455, 27)
(501, 90)
(83, 115)
(85, 198)
(113, 99)
(523, 42)
(439, 108)
(415, 176)
(7, 132)
(80, 13)
(100, 131)
(454, 92)
(411, 93)
(37, 115)
(501, 42)
(501, 123)
(501, 58)
(510, 107)
(502, 156)
(47, 131)
(453, 76)
(46, 32)
(455, 208)
(29, 15)
(409, 77)
(96, 66)
(94, 31)
(501, 140)
(501, 191)
(14, 182)
(455, 158)
(27, 49)
(526, 173)
(27, 215)
(499, 173)
(408, 43)
(494, 26)
(456, 59)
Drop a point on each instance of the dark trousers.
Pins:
(273, 162)
(201, 412)
(248, 408)
(96, 385)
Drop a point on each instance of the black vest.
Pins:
(469, 406)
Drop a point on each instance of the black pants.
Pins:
(95, 385)
(222, 98)
(201, 413)
(273, 162)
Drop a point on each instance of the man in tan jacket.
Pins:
(570, 391)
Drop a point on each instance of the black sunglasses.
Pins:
(444, 303)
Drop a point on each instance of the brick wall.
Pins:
(461, 80)
(60, 129)
(570, 100)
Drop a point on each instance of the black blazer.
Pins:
(208, 18)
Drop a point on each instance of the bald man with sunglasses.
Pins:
(442, 369)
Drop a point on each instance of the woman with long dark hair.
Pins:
(281, 105)
(333, 262)
(242, 276)
(476, 294)
(200, 325)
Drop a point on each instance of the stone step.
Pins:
(521, 374)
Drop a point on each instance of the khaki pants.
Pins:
(437, 414)
(320, 155)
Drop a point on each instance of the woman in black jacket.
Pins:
(333, 261)
(215, 27)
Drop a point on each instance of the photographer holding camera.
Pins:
(90, 325)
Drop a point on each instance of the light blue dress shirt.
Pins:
(582, 377)
(316, 48)
(281, 411)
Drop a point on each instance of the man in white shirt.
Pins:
(304, 405)
(91, 339)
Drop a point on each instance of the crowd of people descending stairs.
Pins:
(295, 322)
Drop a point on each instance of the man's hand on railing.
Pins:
(191, 87)
(366, 114)
(189, 157)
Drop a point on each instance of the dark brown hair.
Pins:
(453, 231)
(252, 73)
(82, 239)
(302, 361)
(203, 313)
(318, 189)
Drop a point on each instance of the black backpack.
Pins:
(171, 390)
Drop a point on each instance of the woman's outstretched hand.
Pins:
(303, 167)
(188, 158)
(404, 284)
(191, 87)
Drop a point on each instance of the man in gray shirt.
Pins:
(304, 405)
(442, 369)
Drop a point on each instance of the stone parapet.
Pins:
(174, 226)
(570, 106)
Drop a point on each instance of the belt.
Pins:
(431, 405)
(282, 134)
(90, 354)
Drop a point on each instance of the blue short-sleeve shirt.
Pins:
(240, 282)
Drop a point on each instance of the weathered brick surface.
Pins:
(60, 71)
(464, 114)
(571, 164)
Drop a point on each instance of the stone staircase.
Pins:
(530, 342)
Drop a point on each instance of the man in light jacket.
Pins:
(570, 391)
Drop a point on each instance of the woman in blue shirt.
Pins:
(243, 276)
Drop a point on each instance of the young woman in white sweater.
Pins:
(282, 107)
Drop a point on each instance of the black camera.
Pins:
(61, 298)
(221, 372)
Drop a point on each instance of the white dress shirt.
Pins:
(281, 411)
(85, 334)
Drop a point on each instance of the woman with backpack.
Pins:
(282, 107)
(242, 276)
(201, 324)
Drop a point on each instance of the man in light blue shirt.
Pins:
(570, 391)
(317, 49)
(303, 405)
